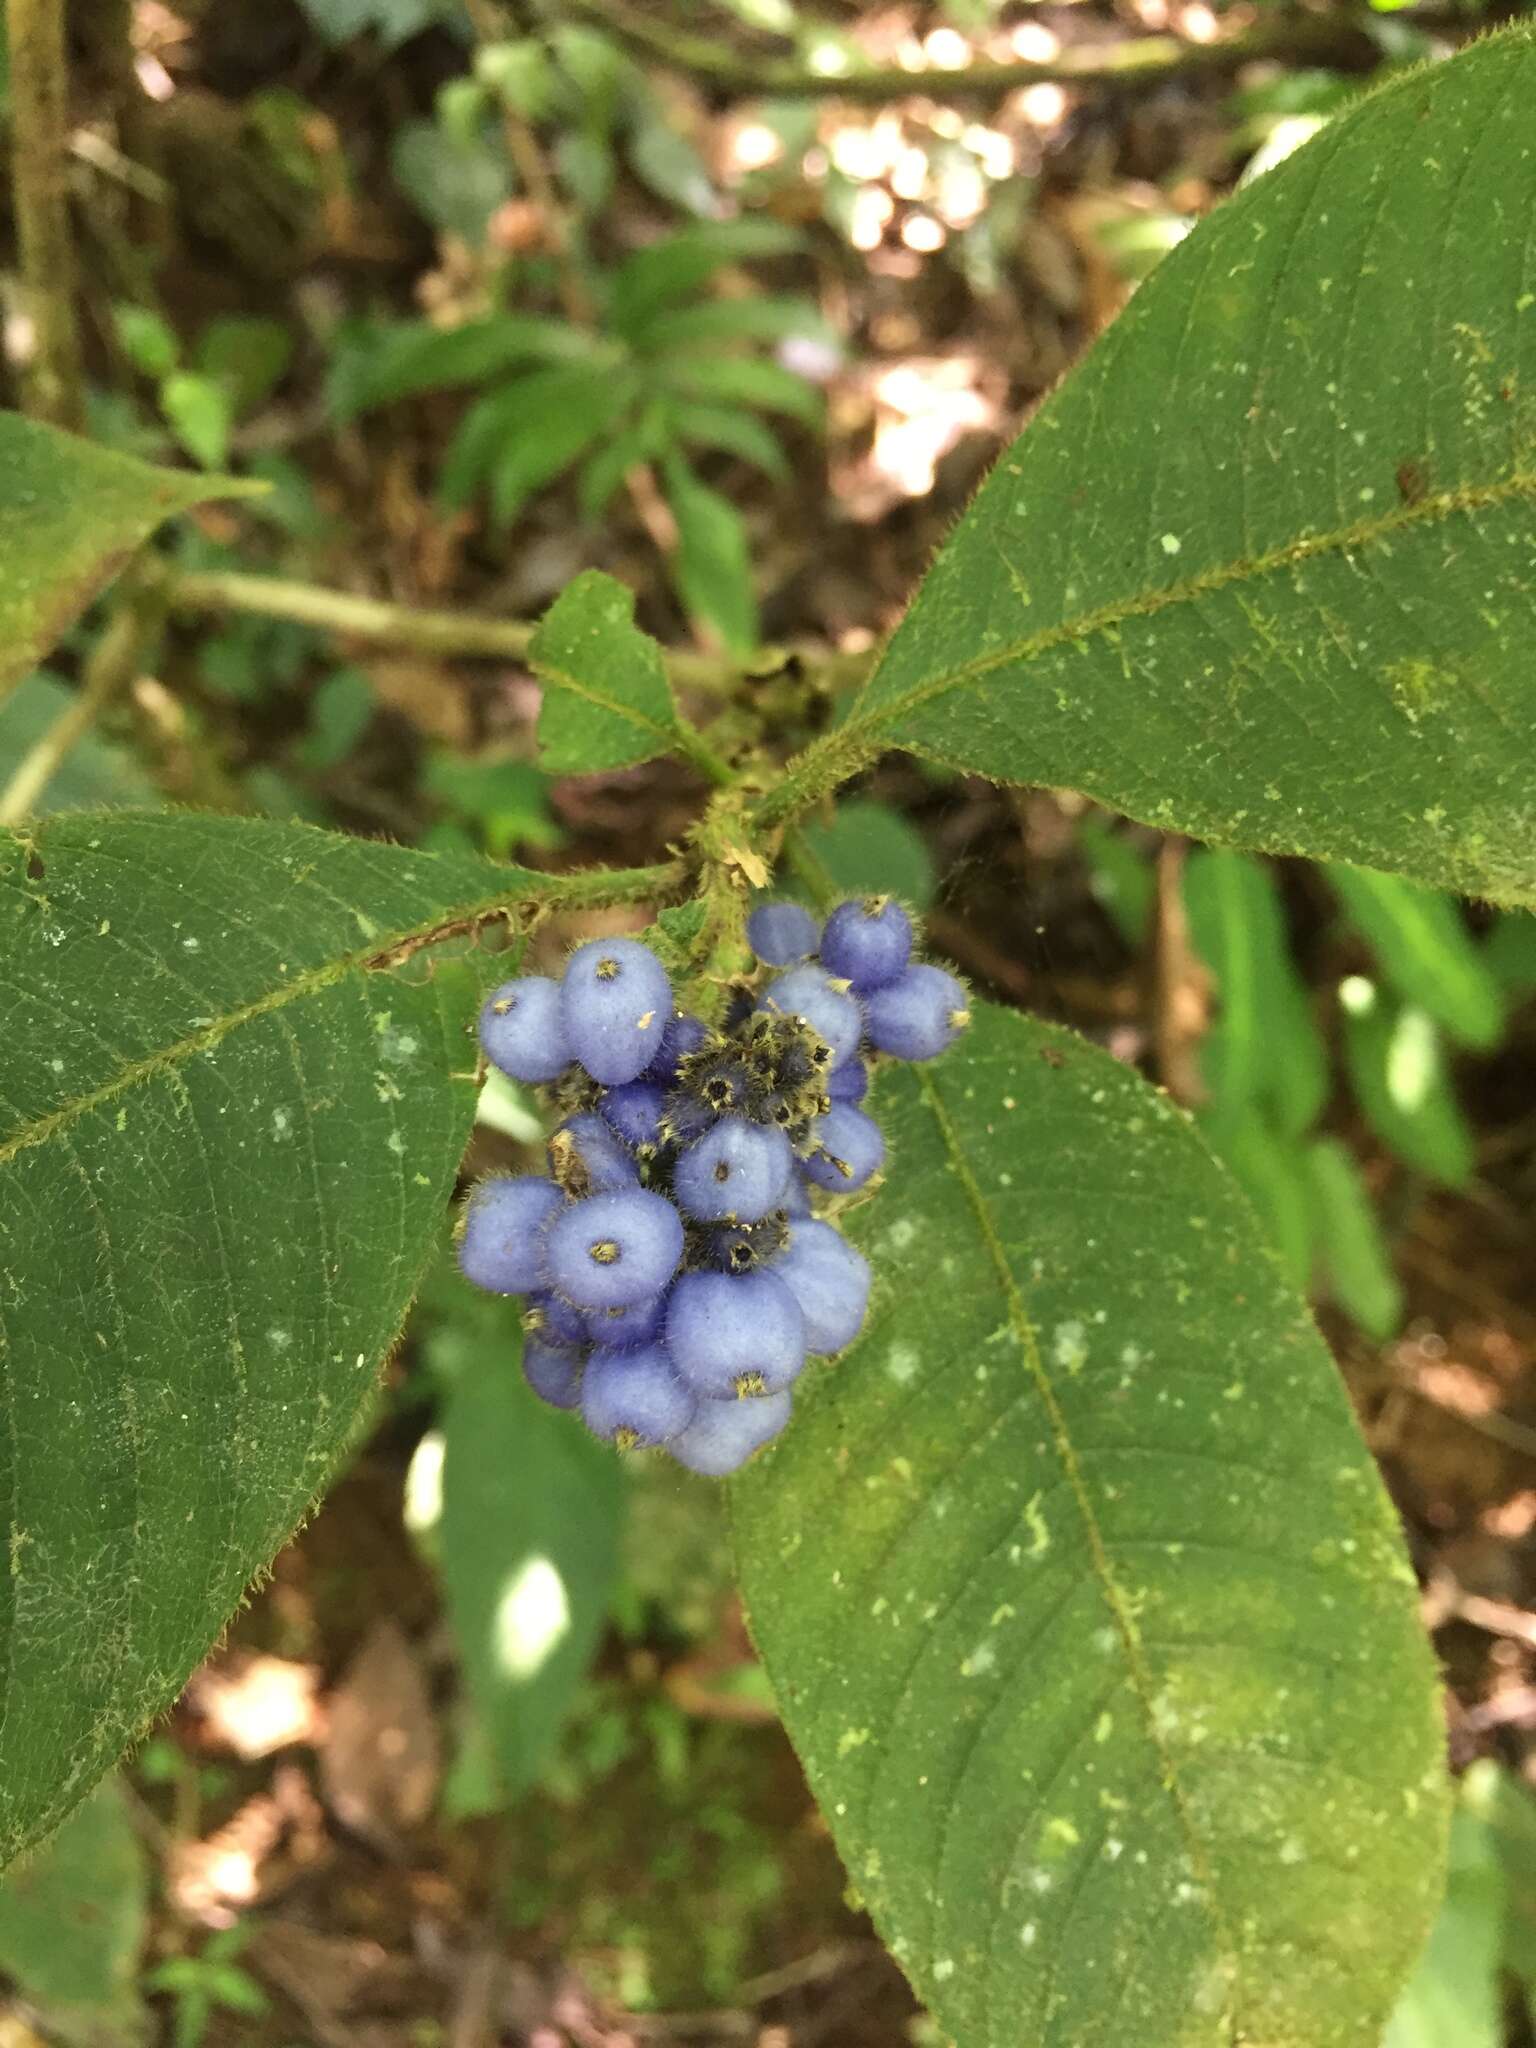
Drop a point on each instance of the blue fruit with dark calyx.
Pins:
(829, 1278)
(504, 1235)
(613, 1250)
(849, 1150)
(684, 1034)
(618, 1329)
(554, 1371)
(867, 941)
(615, 1004)
(737, 1169)
(796, 1199)
(634, 1399)
(735, 1333)
(554, 1320)
(918, 1015)
(724, 1434)
(849, 1082)
(588, 1157)
(635, 1110)
(782, 933)
(521, 1030)
(810, 994)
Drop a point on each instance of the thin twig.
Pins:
(111, 667)
(40, 146)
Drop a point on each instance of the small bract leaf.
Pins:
(607, 701)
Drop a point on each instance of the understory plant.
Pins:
(1081, 1598)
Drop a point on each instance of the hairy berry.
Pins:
(782, 933)
(736, 1170)
(918, 1015)
(847, 1150)
(554, 1371)
(553, 1320)
(636, 1111)
(504, 1235)
(620, 1329)
(683, 1034)
(732, 1333)
(587, 1157)
(724, 1434)
(521, 1031)
(867, 941)
(634, 1399)
(615, 1004)
(811, 994)
(830, 1280)
(849, 1082)
(615, 1249)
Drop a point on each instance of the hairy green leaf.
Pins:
(1081, 1598)
(1261, 570)
(227, 1134)
(607, 700)
(70, 515)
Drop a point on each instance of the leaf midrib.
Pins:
(564, 680)
(1066, 1451)
(1107, 619)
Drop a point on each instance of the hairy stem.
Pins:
(55, 384)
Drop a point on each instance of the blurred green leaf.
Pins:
(667, 163)
(666, 271)
(519, 73)
(608, 702)
(585, 163)
(454, 184)
(200, 416)
(1425, 950)
(378, 361)
(1120, 876)
(508, 799)
(712, 566)
(149, 342)
(339, 714)
(870, 850)
(728, 430)
(392, 21)
(1509, 952)
(1351, 1251)
(744, 380)
(1454, 1998)
(726, 320)
(520, 438)
(96, 770)
(1396, 1059)
(1272, 1168)
(73, 1918)
(529, 1536)
(247, 356)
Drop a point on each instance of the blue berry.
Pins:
(521, 1031)
(683, 1035)
(615, 1004)
(796, 1199)
(587, 1157)
(618, 1329)
(849, 1082)
(867, 941)
(918, 1014)
(553, 1371)
(634, 1399)
(735, 1170)
(811, 994)
(635, 1111)
(614, 1249)
(554, 1321)
(724, 1434)
(504, 1233)
(829, 1279)
(735, 1333)
(849, 1150)
(782, 933)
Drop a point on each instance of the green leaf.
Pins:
(671, 269)
(667, 164)
(200, 416)
(607, 701)
(1272, 1169)
(1081, 1598)
(392, 21)
(226, 1140)
(1259, 572)
(1351, 1252)
(529, 1544)
(1509, 952)
(1396, 1060)
(70, 514)
(1455, 1998)
(247, 355)
(1120, 876)
(1264, 1048)
(1425, 950)
(732, 432)
(520, 438)
(868, 849)
(712, 567)
(379, 362)
(148, 341)
(727, 320)
(94, 772)
(457, 185)
(73, 1918)
(744, 380)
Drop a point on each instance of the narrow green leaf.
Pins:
(1455, 1998)
(529, 1547)
(1396, 1060)
(1121, 877)
(226, 1139)
(551, 418)
(1286, 605)
(1351, 1251)
(744, 380)
(670, 270)
(1081, 1598)
(1271, 1168)
(73, 1918)
(384, 362)
(727, 320)
(712, 567)
(733, 432)
(70, 515)
(200, 416)
(607, 700)
(1425, 951)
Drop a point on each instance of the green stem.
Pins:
(112, 666)
(55, 385)
(822, 767)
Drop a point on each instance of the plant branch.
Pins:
(40, 145)
(1132, 62)
(112, 666)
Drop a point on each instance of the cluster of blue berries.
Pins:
(676, 1271)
